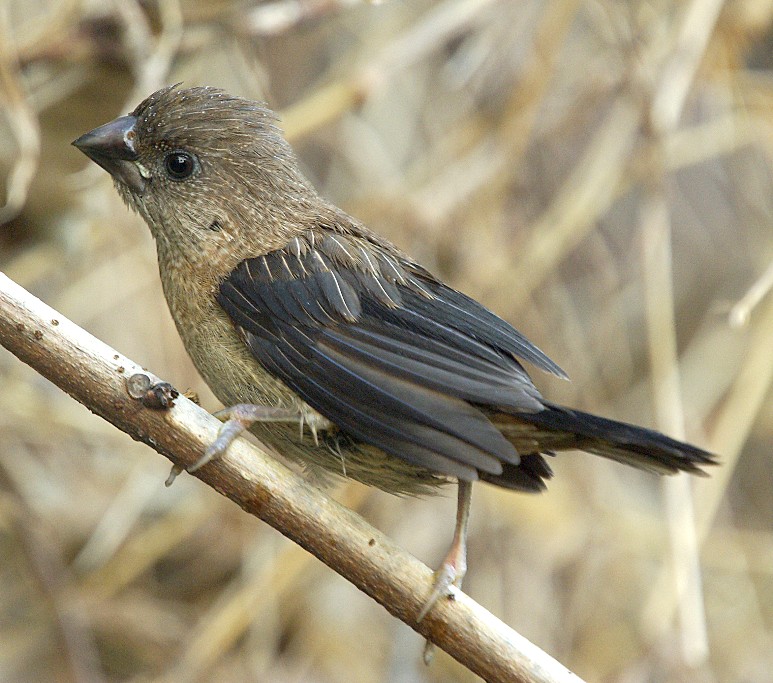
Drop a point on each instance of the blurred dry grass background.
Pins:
(597, 172)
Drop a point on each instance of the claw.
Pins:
(225, 437)
(445, 577)
(429, 652)
(176, 470)
(309, 419)
(341, 456)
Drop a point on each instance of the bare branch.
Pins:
(96, 375)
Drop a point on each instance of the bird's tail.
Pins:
(557, 429)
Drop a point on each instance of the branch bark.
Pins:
(96, 375)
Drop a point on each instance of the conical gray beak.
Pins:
(112, 146)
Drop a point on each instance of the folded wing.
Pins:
(385, 351)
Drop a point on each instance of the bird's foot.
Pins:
(236, 419)
(447, 577)
(449, 574)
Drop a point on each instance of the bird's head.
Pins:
(197, 162)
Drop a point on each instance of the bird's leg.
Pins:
(454, 567)
(235, 420)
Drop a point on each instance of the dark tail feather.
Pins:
(559, 429)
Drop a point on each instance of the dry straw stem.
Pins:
(690, 42)
(326, 104)
(23, 123)
(94, 374)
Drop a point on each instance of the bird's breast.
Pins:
(215, 347)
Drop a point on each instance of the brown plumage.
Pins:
(284, 300)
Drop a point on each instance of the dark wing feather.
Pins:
(386, 352)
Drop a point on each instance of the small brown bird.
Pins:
(294, 312)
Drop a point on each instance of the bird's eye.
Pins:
(179, 165)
